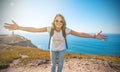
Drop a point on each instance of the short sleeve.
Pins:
(68, 31)
(48, 29)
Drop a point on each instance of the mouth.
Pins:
(59, 24)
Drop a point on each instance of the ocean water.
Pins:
(110, 47)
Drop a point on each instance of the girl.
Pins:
(58, 32)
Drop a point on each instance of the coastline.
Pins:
(23, 58)
(110, 47)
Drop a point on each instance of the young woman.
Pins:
(58, 38)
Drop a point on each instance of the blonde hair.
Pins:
(64, 22)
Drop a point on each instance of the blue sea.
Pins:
(110, 47)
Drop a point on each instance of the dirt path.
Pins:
(70, 65)
(17, 61)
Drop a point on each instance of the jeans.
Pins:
(57, 57)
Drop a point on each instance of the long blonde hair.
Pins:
(63, 29)
(64, 22)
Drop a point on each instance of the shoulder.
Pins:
(67, 30)
(48, 28)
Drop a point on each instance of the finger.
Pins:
(6, 27)
(7, 24)
(100, 32)
(104, 37)
(13, 21)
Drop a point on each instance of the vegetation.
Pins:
(114, 59)
(10, 53)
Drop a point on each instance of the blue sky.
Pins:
(88, 16)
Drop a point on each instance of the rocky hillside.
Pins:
(18, 40)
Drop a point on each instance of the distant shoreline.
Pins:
(81, 46)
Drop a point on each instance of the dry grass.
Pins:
(101, 57)
(8, 54)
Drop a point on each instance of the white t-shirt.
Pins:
(57, 40)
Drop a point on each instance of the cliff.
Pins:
(18, 40)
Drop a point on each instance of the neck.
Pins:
(58, 29)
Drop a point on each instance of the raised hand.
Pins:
(100, 36)
(12, 26)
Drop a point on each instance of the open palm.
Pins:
(100, 36)
(12, 26)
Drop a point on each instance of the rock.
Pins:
(24, 43)
(89, 65)
(15, 40)
(71, 65)
(4, 66)
(115, 66)
(36, 62)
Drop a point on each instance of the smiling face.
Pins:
(58, 22)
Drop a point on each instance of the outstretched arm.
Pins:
(14, 26)
(85, 35)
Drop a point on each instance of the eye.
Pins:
(56, 20)
(61, 21)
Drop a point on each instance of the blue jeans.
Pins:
(57, 57)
